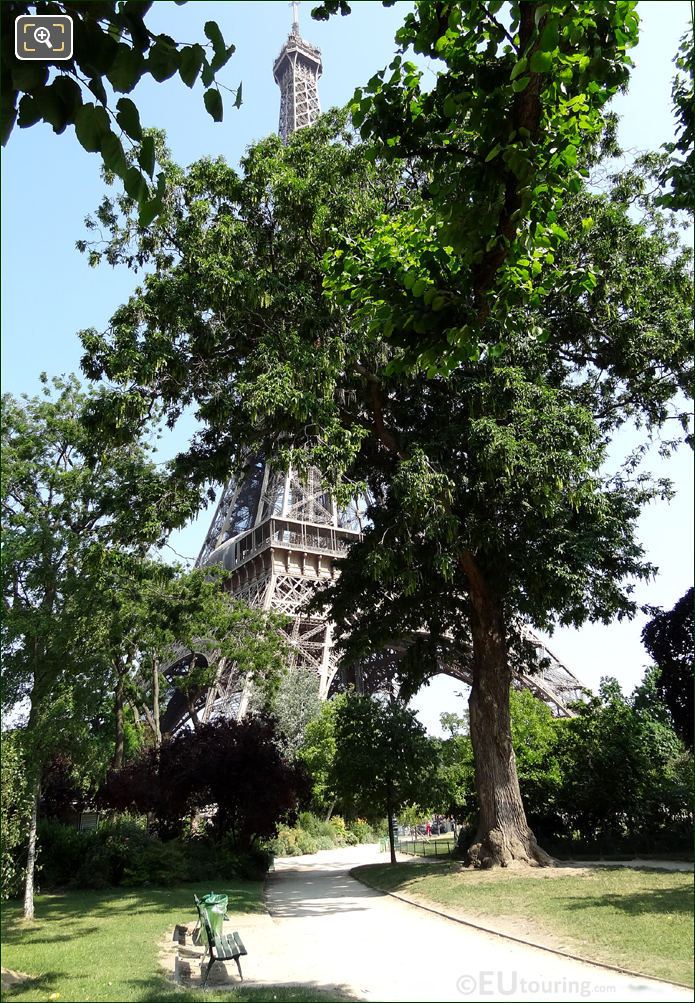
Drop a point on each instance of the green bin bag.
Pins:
(215, 907)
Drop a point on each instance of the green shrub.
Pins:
(351, 839)
(123, 854)
(254, 864)
(285, 843)
(94, 870)
(362, 830)
(15, 810)
(63, 852)
(339, 829)
(306, 843)
(309, 822)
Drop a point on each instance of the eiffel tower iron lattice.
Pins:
(281, 533)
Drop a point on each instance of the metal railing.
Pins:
(434, 847)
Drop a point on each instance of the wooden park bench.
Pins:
(228, 947)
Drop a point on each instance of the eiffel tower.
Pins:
(281, 533)
(296, 72)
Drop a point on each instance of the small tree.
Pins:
(317, 753)
(15, 811)
(294, 703)
(625, 775)
(62, 505)
(383, 757)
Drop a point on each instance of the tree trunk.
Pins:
(389, 816)
(31, 855)
(331, 809)
(503, 834)
(119, 700)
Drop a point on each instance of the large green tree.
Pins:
(491, 505)
(61, 506)
(490, 501)
(520, 90)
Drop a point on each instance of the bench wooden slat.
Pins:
(226, 949)
(237, 938)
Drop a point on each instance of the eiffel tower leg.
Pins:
(214, 691)
(244, 702)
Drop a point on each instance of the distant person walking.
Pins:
(428, 830)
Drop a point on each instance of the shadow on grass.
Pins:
(666, 901)
(73, 906)
(158, 990)
(305, 992)
(391, 877)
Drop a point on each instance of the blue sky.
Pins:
(49, 184)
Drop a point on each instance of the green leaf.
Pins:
(52, 108)
(126, 69)
(113, 155)
(519, 68)
(91, 125)
(219, 61)
(237, 101)
(520, 85)
(212, 31)
(163, 60)
(128, 118)
(148, 211)
(191, 61)
(97, 88)
(213, 103)
(208, 74)
(135, 185)
(29, 112)
(27, 76)
(146, 155)
(550, 36)
(558, 231)
(70, 94)
(450, 106)
(541, 62)
(493, 153)
(8, 113)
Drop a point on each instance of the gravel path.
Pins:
(324, 929)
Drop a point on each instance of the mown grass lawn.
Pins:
(104, 946)
(642, 920)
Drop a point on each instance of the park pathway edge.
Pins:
(419, 904)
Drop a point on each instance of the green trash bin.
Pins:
(215, 907)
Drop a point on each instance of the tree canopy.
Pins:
(236, 766)
(462, 360)
(668, 637)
